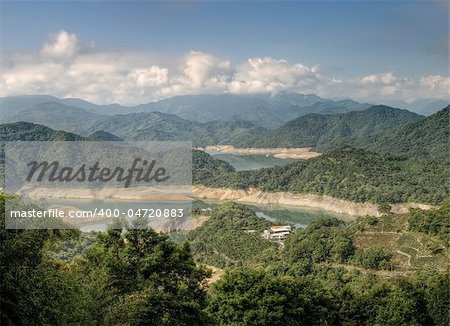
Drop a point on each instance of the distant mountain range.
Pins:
(161, 126)
(264, 110)
(381, 128)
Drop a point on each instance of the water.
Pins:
(123, 209)
(252, 162)
(298, 217)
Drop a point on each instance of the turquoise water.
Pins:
(252, 162)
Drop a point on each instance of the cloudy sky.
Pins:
(136, 52)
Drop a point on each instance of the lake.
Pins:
(298, 217)
(251, 162)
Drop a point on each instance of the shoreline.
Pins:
(277, 152)
(250, 196)
(311, 201)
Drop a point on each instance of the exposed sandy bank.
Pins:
(169, 194)
(177, 224)
(326, 203)
(404, 208)
(280, 152)
(258, 197)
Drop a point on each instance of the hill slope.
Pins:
(26, 131)
(161, 126)
(327, 131)
(57, 116)
(425, 138)
(346, 173)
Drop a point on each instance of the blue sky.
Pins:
(347, 39)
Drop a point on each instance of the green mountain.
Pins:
(26, 131)
(103, 136)
(328, 131)
(425, 138)
(263, 110)
(231, 236)
(347, 173)
(57, 116)
(161, 126)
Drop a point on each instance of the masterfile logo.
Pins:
(140, 170)
(158, 174)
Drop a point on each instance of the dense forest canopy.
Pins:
(327, 131)
(138, 277)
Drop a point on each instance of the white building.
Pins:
(277, 233)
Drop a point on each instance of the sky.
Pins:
(139, 51)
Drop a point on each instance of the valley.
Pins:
(365, 192)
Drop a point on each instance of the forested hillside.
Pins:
(322, 276)
(425, 138)
(329, 273)
(160, 126)
(347, 173)
(331, 131)
(33, 132)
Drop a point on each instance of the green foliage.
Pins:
(135, 277)
(425, 138)
(32, 291)
(433, 221)
(205, 167)
(329, 297)
(231, 236)
(322, 241)
(331, 131)
(347, 173)
(152, 280)
(247, 297)
(32, 132)
(373, 258)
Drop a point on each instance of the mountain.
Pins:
(26, 131)
(427, 137)
(328, 131)
(161, 126)
(57, 116)
(264, 110)
(103, 136)
(421, 106)
(134, 126)
(348, 173)
(12, 105)
(432, 107)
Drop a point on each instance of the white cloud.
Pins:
(271, 75)
(62, 45)
(65, 67)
